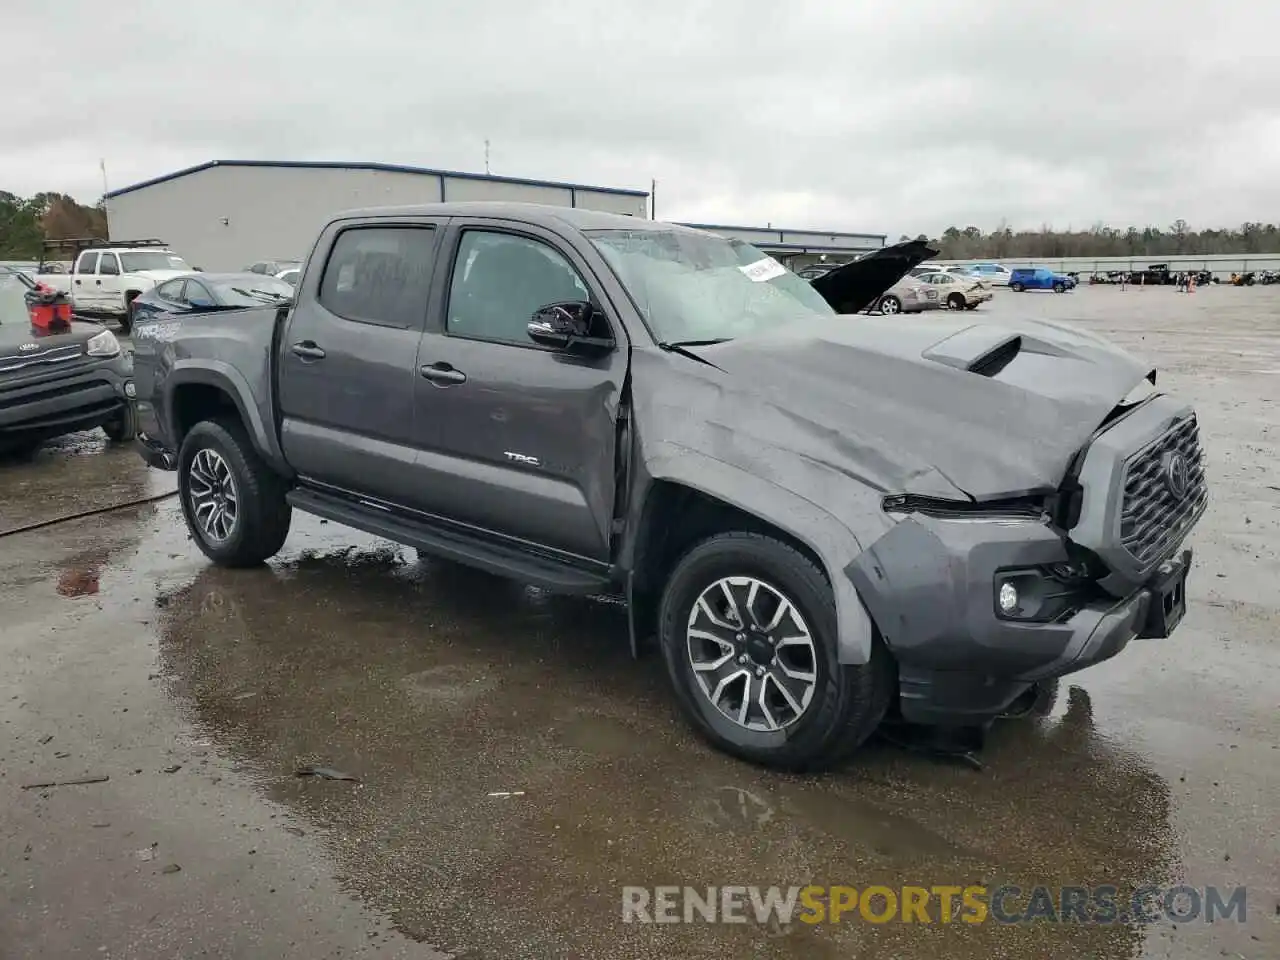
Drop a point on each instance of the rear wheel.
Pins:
(890, 304)
(233, 502)
(956, 302)
(747, 626)
(1016, 287)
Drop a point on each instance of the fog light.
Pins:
(1008, 598)
(130, 390)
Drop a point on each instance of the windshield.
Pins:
(252, 292)
(692, 286)
(151, 260)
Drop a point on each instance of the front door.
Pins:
(107, 292)
(518, 439)
(84, 276)
(347, 367)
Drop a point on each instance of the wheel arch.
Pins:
(692, 497)
(194, 391)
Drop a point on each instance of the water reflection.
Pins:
(438, 686)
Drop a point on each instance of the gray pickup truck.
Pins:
(821, 517)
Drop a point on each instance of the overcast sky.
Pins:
(892, 118)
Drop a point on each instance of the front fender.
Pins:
(824, 533)
(218, 373)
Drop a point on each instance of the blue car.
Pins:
(1038, 278)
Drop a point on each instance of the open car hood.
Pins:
(857, 285)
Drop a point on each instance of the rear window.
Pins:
(380, 275)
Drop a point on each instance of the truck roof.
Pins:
(539, 214)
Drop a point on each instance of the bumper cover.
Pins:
(930, 586)
(79, 394)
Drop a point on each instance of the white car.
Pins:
(995, 274)
(105, 278)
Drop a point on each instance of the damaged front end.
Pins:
(980, 600)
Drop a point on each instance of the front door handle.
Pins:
(442, 373)
(97, 283)
(308, 350)
(77, 283)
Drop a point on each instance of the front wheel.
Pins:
(1059, 288)
(233, 502)
(124, 427)
(747, 626)
(1016, 287)
(890, 305)
(955, 302)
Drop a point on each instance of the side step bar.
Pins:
(505, 561)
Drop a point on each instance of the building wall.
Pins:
(226, 217)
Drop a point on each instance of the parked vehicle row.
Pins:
(107, 276)
(820, 518)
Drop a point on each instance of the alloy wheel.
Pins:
(752, 653)
(889, 305)
(211, 490)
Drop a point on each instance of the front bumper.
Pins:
(930, 585)
(76, 394)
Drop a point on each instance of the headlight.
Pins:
(102, 344)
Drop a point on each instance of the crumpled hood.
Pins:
(897, 406)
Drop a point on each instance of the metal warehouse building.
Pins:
(226, 214)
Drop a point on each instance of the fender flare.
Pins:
(223, 376)
(826, 535)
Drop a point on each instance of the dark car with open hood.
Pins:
(820, 517)
(58, 379)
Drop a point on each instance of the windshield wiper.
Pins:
(677, 344)
(682, 347)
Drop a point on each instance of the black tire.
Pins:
(125, 427)
(126, 322)
(263, 514)
(1016, 287)
(1059, 288)
(890, 305)
(19, 451)
(848, 701)
(956, 302)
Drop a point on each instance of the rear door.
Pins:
(84, 276)
(518, 439)
(347, 363)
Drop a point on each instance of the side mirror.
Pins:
(200, 303)
(568, 326)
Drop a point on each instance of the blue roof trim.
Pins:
(383, 167)
(780, 230)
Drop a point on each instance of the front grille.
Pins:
(1154, 516)
(56, 355)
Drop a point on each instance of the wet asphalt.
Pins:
(199, 692)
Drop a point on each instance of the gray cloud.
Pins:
(861, 117)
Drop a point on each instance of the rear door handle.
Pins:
(97, 283)
(77, 283)
(308, 350)
(442, 373)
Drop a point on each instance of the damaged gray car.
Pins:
(822, 518)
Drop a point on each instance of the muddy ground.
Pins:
(198, 692)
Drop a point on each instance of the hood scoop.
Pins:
(984, 350)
